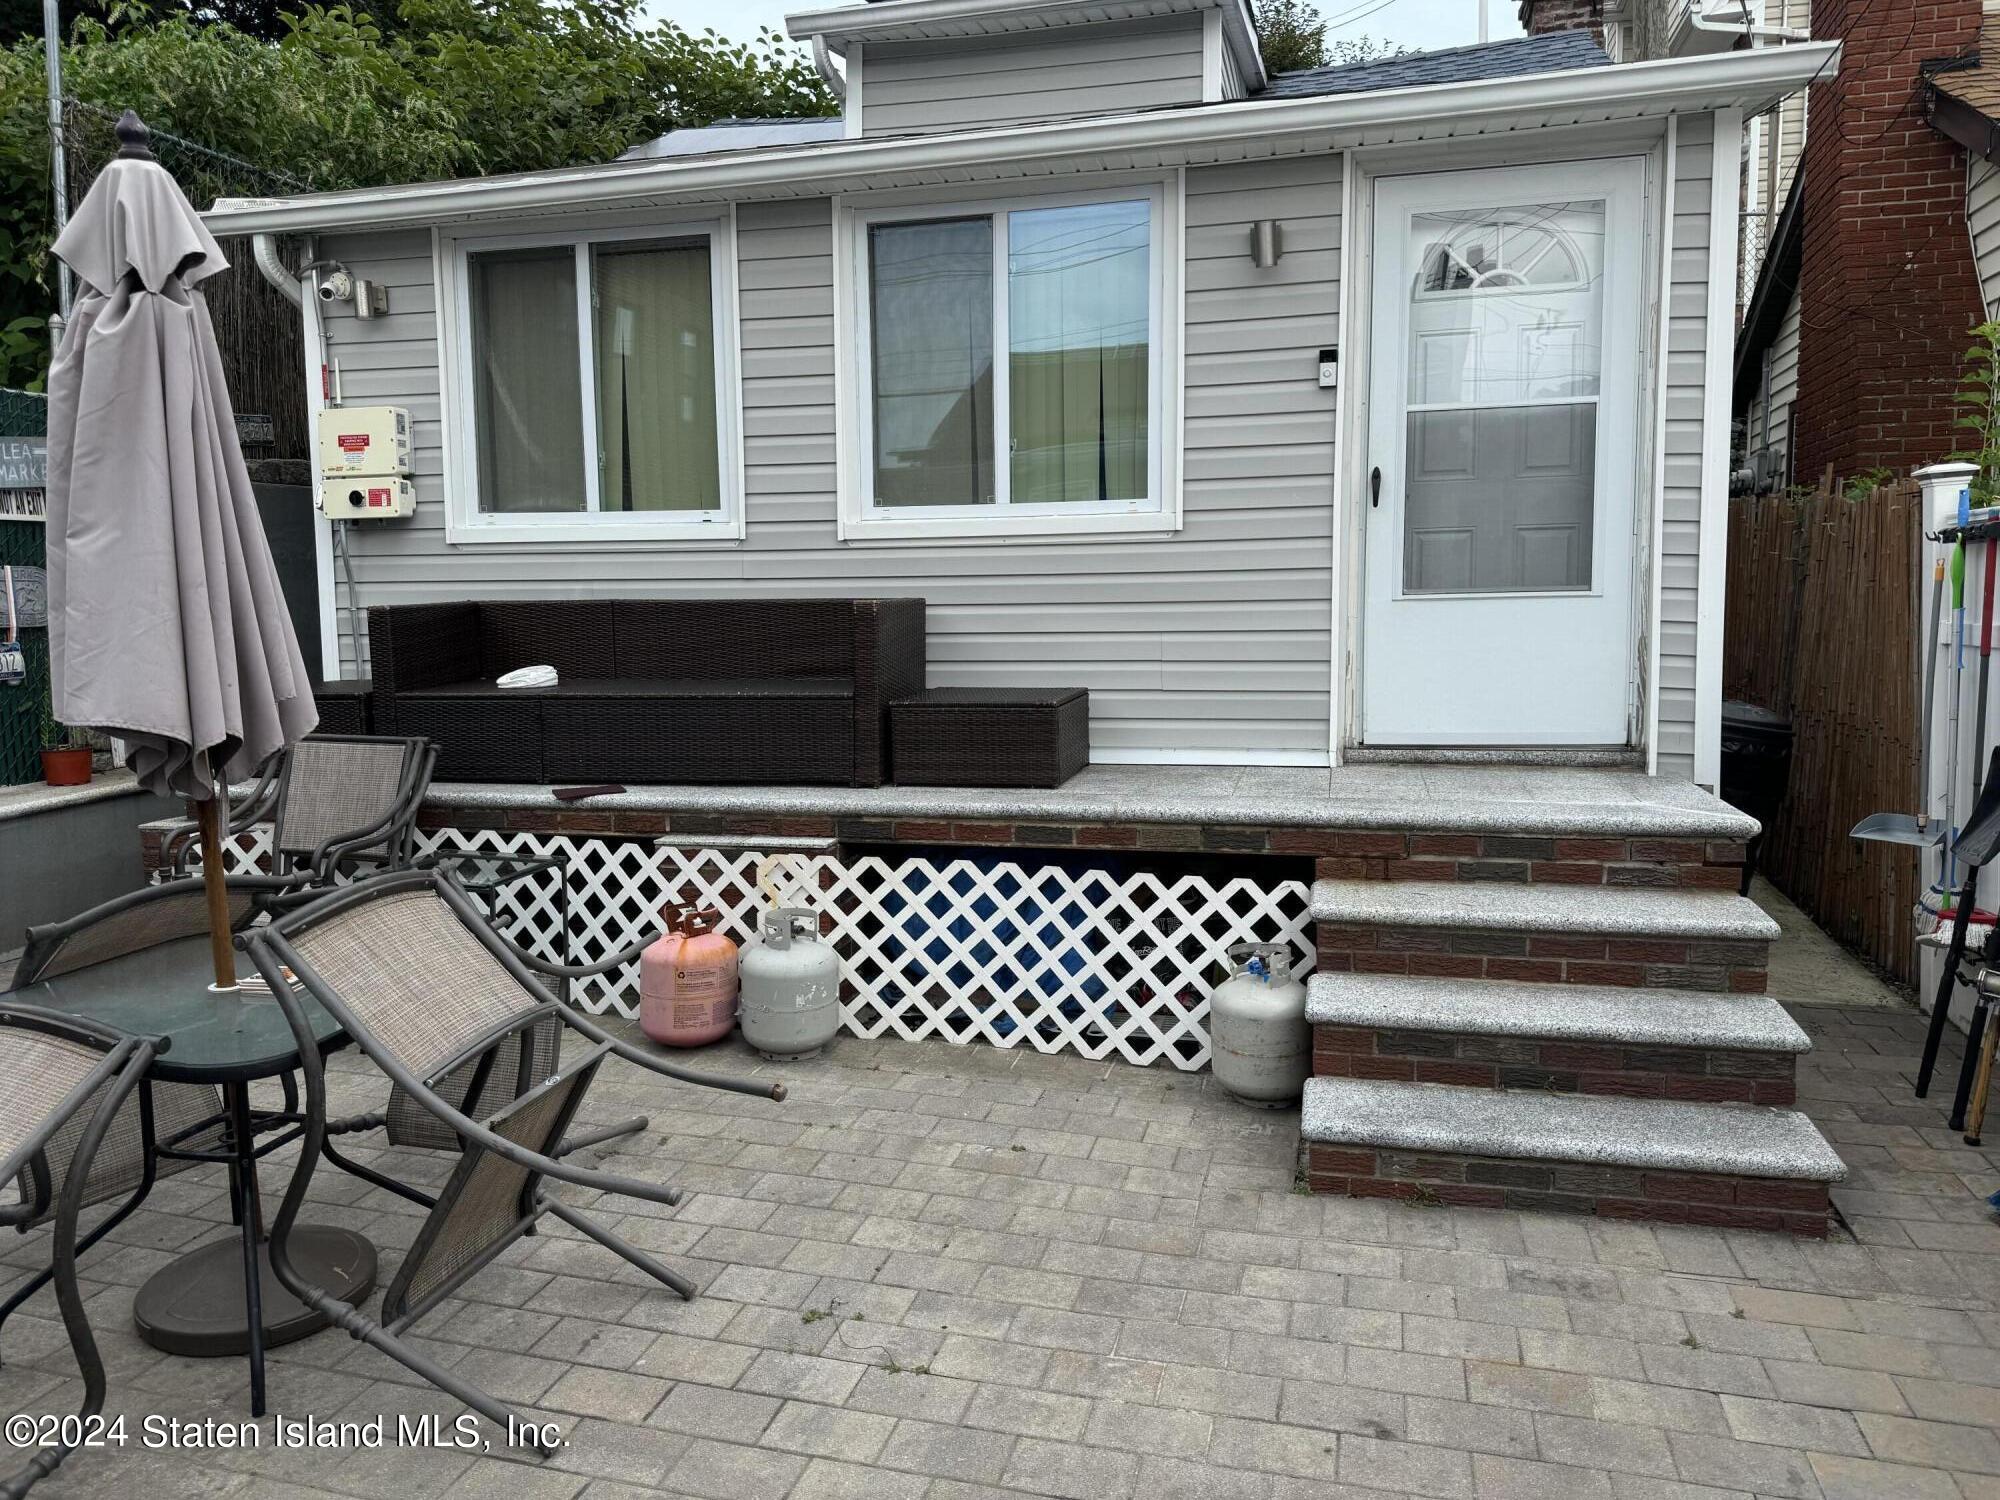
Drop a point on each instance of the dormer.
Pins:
(914, 67)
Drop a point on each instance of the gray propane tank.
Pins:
(1259, 1043)
(790, 986)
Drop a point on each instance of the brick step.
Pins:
(1570, 1038)
(1543, 934)
(1674, 859)
(1720, 1165)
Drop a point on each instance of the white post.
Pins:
(1946, 798)
(1943, 484)
(1482, 4)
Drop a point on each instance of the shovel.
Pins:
(1918, 830)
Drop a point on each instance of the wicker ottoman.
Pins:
(990, 736)
(344, 707)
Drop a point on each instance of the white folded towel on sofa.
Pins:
(529, 677)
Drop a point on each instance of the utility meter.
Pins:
(364, 463)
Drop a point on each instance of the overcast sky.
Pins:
(1413, 24)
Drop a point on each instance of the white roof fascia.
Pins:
(918, 20)
(1752, 81)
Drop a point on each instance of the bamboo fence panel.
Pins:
(1822, 627)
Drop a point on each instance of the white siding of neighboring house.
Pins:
(916, 87)
(1767, 424)
(1982, 216)
(1213, 644)
(1688, 338)
(1764, 196)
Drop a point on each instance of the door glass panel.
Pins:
(1504, 358)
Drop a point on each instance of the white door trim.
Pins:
(1720, 329)
(1657, 394)
(1607, 653)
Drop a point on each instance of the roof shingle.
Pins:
(1555, 52)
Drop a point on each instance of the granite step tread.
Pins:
(1610, 1014)
(1504, 907)
(1599, 1129)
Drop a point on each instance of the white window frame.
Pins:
(1158, 513)
(465, 522)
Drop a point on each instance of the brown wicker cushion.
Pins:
(571, 635)
(734, 638)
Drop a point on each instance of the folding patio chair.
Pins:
(67, 1139)
(175, 1114)
(331, 799)
(478, 1088)
(416, 975)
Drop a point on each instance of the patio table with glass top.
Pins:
(220, 1299)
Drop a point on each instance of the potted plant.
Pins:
(65, 757)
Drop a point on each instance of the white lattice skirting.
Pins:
(976, 949)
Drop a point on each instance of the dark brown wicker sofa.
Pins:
(650, 690)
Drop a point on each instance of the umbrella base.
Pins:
(196, 1306)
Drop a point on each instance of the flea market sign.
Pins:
(24, 476)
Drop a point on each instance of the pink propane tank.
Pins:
(687, 979)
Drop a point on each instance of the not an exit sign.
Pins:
(24, 463)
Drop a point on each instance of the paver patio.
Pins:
(954, 1272)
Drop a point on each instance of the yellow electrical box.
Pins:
(367, 497)
(363, 440)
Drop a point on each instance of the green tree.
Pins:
(1291, 35)
(446, 88)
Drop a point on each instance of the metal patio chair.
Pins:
(170, 1114)
(69, 1139)
(330, 800)
(478, 1088)
(432, 994)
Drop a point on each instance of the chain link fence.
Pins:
(24, 706)
(256, 329)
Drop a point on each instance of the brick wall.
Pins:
(1541, 16)
(1702, 1074)
(1559, 1187)
(1888, 286)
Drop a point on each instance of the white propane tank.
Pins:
(790, 995)
(1259, 1043)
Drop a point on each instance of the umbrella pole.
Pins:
(208, 814)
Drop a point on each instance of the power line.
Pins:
(181, 142)
(1359, 13)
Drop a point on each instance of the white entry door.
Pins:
(1502, 467)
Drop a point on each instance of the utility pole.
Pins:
(58, 164)
(1483, 35)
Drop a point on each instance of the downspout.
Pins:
(1744, 25)
(264, 251)
(823, 60)
(264, 248)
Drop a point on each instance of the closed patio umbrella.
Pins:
(166, 624)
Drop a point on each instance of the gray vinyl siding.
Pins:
(1213, 642)
(1688, 338)
(917, 87)
(1769, 424)
(1982, 214)
(1232, 75)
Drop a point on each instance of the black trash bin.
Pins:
(1756, 767)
